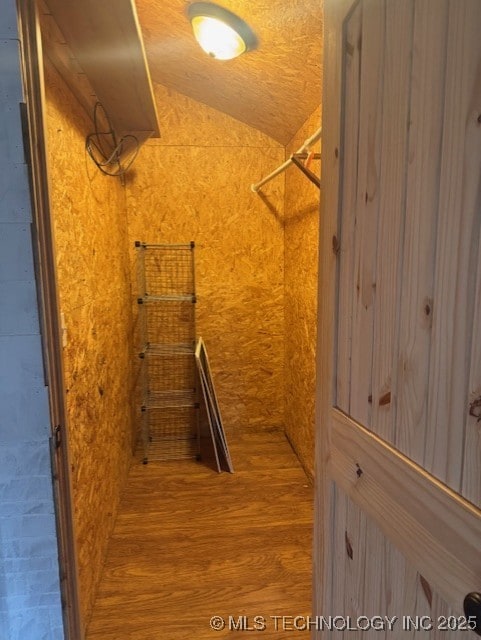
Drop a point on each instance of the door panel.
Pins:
(457, 245)
(471, 486)
(433, 526)
(400, 591)
(365, 145)
(390, 186)
(399, 369)
(420, 223)
(410, 224)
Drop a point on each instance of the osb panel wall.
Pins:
(273, 89)
(301, 254)
(194, 184)
(89, 213)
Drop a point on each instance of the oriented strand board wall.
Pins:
(273, 89)
(194, 184)
(301, 254)
(89, 213)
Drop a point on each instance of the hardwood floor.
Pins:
(190, 544)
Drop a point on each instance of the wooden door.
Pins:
(399, 373)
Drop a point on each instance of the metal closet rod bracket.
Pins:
(294, 159)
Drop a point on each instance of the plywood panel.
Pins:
(402, 597)
(273, 89)
(186, 190)
(367, 208)
(425, 135)
(346, 233)
(105, 39)
(409, 257)
(185, 122)
(440, 254)
(457, 245)
(301, 230)
(62, 58)
(94, 287)
(335, 571)
(354, 556)
(435, 528)
(397, 61)
(471, 487)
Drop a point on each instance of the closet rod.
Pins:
(307, 172)
(305, 147)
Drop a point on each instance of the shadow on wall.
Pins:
(271, 206)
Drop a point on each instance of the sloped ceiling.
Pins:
(273, 89)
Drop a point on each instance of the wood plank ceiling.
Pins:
(273, 89)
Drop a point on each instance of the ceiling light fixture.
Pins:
(220, 33)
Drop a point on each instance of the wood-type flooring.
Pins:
(190, 544)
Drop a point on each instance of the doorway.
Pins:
(96, 221)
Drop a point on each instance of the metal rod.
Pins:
(276, 172)
(145, 245)
(305, 155)
(307, 172)
(305, 147)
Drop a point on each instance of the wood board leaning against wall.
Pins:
(194, 184)
(89, 214)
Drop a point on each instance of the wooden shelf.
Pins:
(97, 47)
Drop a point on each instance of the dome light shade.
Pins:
(220, 33)
(217, 38)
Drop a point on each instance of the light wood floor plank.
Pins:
(190, 543)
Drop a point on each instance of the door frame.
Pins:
(334, 17)
(48, 304)
(375, 475)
